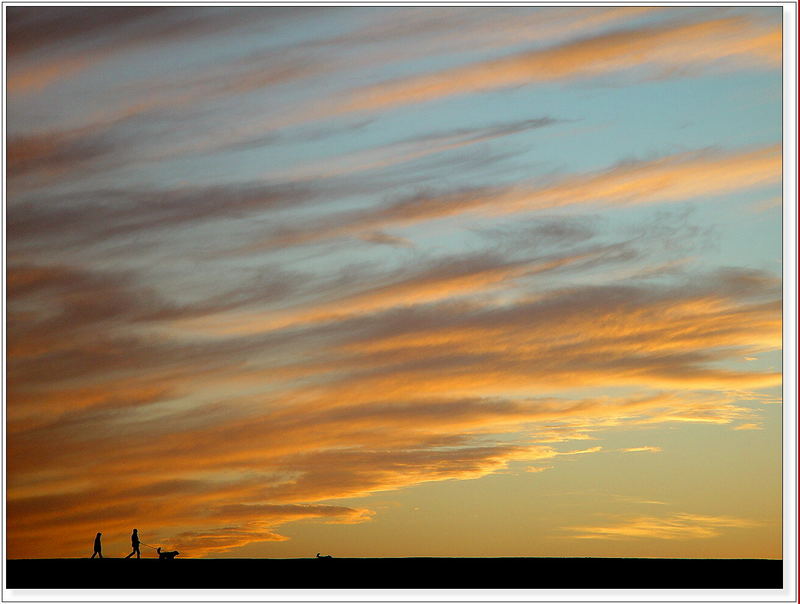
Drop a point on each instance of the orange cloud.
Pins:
(153, 504)
(665, 47)
(199, 544)
(583, 451)
(447, 278)
(554, 339)
(408, 150)
(679, 177)
(403, 382)
(676, 526)
(537, 469)
(34, 78)
(286, 457)
(748, 426)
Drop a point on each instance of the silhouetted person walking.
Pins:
(98, 549)
(134, 544)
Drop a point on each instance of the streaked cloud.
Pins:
(537, 469)
(382, 238)
(390, 401)
(33, 33)
(748, 426)
(638, 500)
(409, 150)
(675, 526)
(666, 47)
(673, 178)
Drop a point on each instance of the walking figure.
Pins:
(98, 549)
(134, 544)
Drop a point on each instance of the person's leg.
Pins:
(138, 553)
(99, 553)
(131, 554)
(94, 554)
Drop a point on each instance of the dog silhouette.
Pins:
(166, 555)
(323, 557)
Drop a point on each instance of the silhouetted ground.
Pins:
(397, 573)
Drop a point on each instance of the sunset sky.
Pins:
(394, 281)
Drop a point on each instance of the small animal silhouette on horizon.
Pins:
(324, 557)
(166, 555)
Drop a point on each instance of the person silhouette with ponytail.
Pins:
(98, 549)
